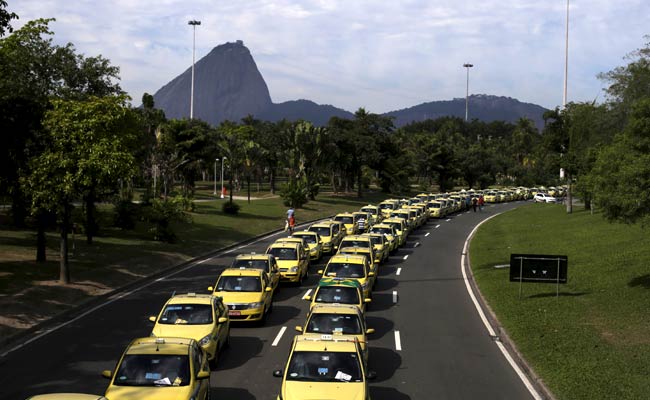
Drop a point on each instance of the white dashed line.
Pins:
(437, 226)
(307, 294)
(277, 338)
(399, 271)
(406, 256)
(416, 244)
(398, 342)
(427, 234)
(395, 296)
(448, 219)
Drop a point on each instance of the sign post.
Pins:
(538, 268)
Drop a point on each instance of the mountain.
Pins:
(483, 107)
(228, 86)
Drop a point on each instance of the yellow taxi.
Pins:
(265, 262)
(324, 368)
(406, 216)
(292, 260)
(348, 221)
(380, 246)
(338, 291)
(314, 243)
(351, 266)
(435, 209)
(401, 229)
(247, 293)
(292, 239)
(387, 206)
(340, 320)
(330, 233)
(375, 213)
(154, 368)
(201, 317)
(490, 196)
(389, 232)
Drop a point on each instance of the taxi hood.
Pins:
(293, 390)
(240, 297)
(149, 392)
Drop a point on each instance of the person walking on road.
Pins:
(481, 202)
(291, 220)
(474, 203)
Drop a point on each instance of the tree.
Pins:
(5, 18)
(622, 170)
(87, 145)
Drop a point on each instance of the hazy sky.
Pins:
(381, 55)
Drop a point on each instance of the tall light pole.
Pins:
(194, 23)
(566, 57)
(468, 66)
(215, 176)
(222, 158)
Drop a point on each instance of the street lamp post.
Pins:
(468, 66)
(194, 23)
(215, 176)
(566, 57)
(222, 158)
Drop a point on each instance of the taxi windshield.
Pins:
(153, 370)
(324, 366)
(251, 264)
(239, 284)
(345, 220)
(345, 270)
(355, 243)
(283, 253)
(337, 294)
(347, 324)
(307, 238)
(376, 240)
(386, 206)
(321, 230)
(369, 210)
(385, 231)
(186, 314)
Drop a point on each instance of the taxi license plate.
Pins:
(235, 313)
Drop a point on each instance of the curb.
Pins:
(502, 335)
(22, 337)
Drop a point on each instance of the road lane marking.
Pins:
(484, 319)
(395, 296)
(398, 342)
(502, 266)
(416, 244)
(437, 226)
(277, 338)
(399, 271)
(448, 219)
(307, 294)
(406, 256)
(427, 234)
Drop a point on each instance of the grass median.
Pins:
(593, 341)
(30, 291)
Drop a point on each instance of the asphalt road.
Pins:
(429, 342)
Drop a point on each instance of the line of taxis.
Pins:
(328, 356)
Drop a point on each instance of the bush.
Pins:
(162, 213)
(126, 214)
(230, 208)
(293, 195)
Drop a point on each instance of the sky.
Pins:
(382, 55)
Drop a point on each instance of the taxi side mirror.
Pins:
(107, 374)
(152, 318)
(299, 329)
(371, 274)
(268, 289)
(203, 375)
(222, 320)
(369, 331)
(210, 289)
(308, 298)
(277, 373)
(367, 300)
(320, 271)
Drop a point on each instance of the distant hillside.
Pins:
(228, 86)
(482, 107)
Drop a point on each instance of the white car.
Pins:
(544, 198)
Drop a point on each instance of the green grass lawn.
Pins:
(29, 291)
(593, 342)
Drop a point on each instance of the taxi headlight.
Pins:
(293, 269)
(255, 305)
(204, 341)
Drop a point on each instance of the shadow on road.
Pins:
(383, 361)
(245, 348)
(387, 393)
(380, 302)
(231, 393)
(381, 326)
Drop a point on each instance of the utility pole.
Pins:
(194, 23)
(468, 66)
(569, 194)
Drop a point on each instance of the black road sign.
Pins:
(538, 268)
